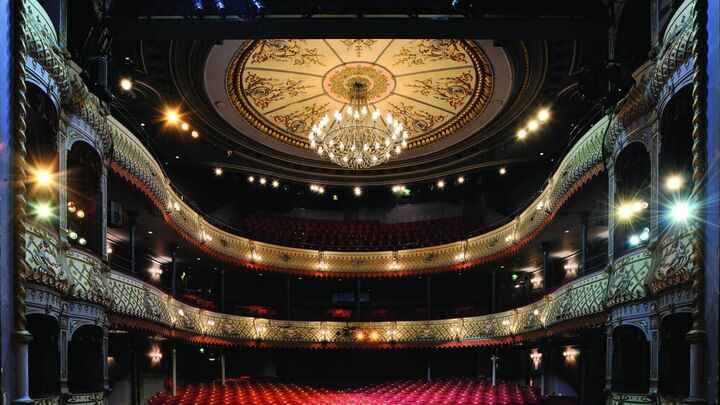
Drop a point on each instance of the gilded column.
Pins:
(697, 337)
(20, 336)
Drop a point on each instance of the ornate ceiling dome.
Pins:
(434, 87)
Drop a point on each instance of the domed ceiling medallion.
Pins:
(282, 87)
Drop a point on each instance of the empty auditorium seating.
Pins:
(442, 391)
(350, 235)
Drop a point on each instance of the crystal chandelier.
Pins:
(360, 138)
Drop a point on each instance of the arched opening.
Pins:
(630, 360)
(675, 153)
(84, 196)
(674, 374)
(632, 196)
(44, 356)
(85, 360)
(42, 157)
(633, 30)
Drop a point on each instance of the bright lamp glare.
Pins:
(172, 116)
(43, 177)
(43, 211)
(543, 115)
(673, 183)
(634, 240)
(680, 211)
(126, 84)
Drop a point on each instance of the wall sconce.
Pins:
(570, 354)
(155, 355)
(155, 273)
(536, 282)
(536, 358)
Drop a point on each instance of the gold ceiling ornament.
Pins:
(434, 88)
(360, 137)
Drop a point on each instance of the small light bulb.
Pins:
(441, 184)
(674, 183)
(172, 116)
(184, 126)
(126, 84)
(251, 179)
(80, 214)
(533, 125)
(461, 180)
(275, 184)
(218, 171)
(357, 191)
(263, 180)
(502, 171)
(194, 134)
(543, 115)
(522, 134)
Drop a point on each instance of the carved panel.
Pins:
(44, 258)
(672, 259)
(627, 277)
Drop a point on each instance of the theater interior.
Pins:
(359, 202)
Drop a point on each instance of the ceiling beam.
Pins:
(169, 28)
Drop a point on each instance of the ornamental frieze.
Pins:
(43, 258)
(672, 259)
(627, 277)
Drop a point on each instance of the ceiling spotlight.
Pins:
(461, 180)
(522, 134)
(194, 134)
(625, 211)
(543, 115)
(172, 116)
(321, 190)
(218, 171)
(275, 184)
(126, 84)
(184, 126)
(263, 180)
(80, 214)
(82, 241)
(533, 125)
(357, 191)
(397, 189)
(72, 234)
(251, 179)
(502, 171)
(674, 183)
(634, 240)
(441, 184)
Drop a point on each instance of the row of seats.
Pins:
(456, 390)
(334, 234)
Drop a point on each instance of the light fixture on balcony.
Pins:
(359, 138)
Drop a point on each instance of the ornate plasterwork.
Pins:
(271, 80)
(672, 259)
(43, 258)
(627, 277)
(137, 299)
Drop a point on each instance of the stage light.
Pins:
(461, 180)
(674, 183)
(82, 241)
(275, 184)
(43, 210)
(441, 184)
(634, 240)
(220, 5)
(502, 171)
(194, 134)
(357, 191)
(522, 134)
(71, 206)
(533, 125)
(398, 189)
(251, 179)
(374, 335)
(645, 234)
(359, 336)
(80, 214)
(543, 115)
(198, 5)
(263, 180)
(184, 126)
(126, 84)
(680, 211)
(625, 211)
(72, 234)
(172, 116)
(218, 171)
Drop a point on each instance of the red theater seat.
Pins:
(441, 391)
